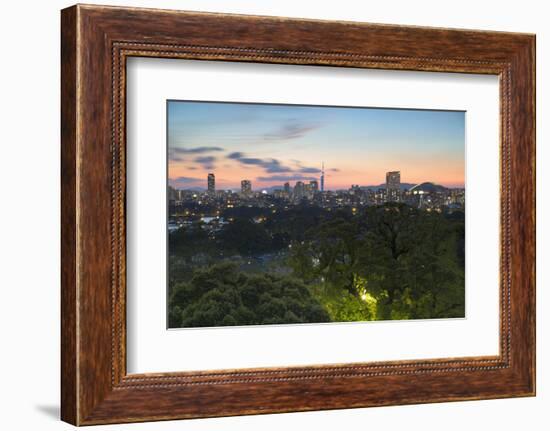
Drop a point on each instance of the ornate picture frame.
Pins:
(96, 41)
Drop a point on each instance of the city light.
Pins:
(189, 205)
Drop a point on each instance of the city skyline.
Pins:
(393, 181)
(270, 145)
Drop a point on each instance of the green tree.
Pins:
(223, 296)
(405, 259)
(246, 237)
(409, 259)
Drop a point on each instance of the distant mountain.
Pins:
(429, 188)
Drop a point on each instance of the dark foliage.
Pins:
(384, 262)
(408, 259)
(223, 296)
(245, 237)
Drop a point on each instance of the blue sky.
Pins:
(271, 144)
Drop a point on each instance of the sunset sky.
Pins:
(273, 144)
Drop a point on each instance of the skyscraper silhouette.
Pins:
(211, 184)
(246, 187)
(323, 178)
(393, 186)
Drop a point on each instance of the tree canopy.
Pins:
(311, 264)
(223, 296)
(405, 258)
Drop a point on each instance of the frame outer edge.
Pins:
(530, 78)
(87, 396)
(533, 54)
(523, 216)
(532, 83)
(69, 202)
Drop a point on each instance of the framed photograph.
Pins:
(264, 214)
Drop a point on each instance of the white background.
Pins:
(151, 348)
(29, 216)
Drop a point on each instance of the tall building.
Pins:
(246, 187)
(299, 191)
(323, 178)
(393, 186)
(211, 184)
(287, 189)
(314, 186)
(172, 193)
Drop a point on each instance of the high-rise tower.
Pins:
(287, 189)
(211, 184)
(314, 185)
(393, 186)
(299, 191)
(323, 177)
(246, 187)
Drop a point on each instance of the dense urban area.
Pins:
(299, 253)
